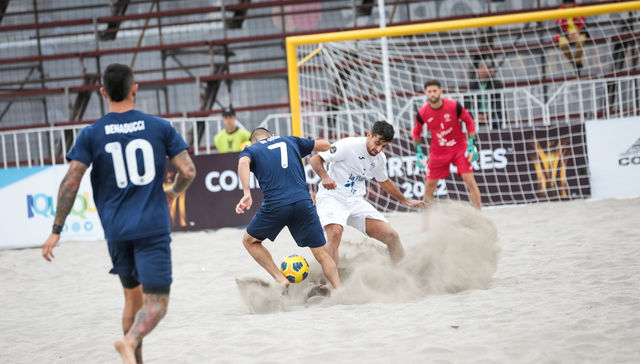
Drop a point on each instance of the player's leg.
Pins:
(579, 48)
(563, 44)
(429, 190)
(154, 308)
(261, 255)
(372, 223)
(334, 236)
(133, 302)
(122, 257)
(382, 231)
(306, 230)
(333, 214)
(474, 191)
(437, 168)
(266, 224)
(329, 266)
(153, 267)
(465, 170)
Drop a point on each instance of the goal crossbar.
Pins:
(403, 30)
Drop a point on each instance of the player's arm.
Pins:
(321, 145)
(66, 197)
(244, 172)
(418, 125)
(421, 159)
(467, 119)
(393, 190)
(186, 174)
(317, 163)
(472, 149)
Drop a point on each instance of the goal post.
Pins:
(547, 93)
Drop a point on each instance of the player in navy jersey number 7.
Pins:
(276, 163)
(127, 150)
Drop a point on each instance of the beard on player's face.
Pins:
(375, 145)
(433, 94)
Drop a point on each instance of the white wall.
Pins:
(29, 200)
(613, 147)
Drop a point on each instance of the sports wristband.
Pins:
(56, 229)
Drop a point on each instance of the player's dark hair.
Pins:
(117, 81)
(384, 129)
(432, 82)
(258, 133)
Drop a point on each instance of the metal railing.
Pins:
(329, 124)
(570, 102)
(199, 132)
(49, 145)
(28, 147)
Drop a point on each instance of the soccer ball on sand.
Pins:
(295, 268)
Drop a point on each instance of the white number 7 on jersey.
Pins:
(284, 158)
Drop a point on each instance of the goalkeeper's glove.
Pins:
(472, 150)
(421, 159)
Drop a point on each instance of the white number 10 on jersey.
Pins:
(115, 149)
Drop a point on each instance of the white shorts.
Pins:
(335, 209)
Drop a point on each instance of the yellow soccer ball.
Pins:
(295, 268)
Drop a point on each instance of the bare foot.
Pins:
(127, 351)
(284, 287)
(283, 282)
(319, 290)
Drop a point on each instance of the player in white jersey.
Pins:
(340, 199)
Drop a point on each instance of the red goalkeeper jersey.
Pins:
(444, 125)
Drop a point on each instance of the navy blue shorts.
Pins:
(148, 260)
(300, 217)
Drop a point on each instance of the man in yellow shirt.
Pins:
(231, 138)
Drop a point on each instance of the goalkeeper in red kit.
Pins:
(448, 143)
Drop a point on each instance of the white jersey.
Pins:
(350, 164)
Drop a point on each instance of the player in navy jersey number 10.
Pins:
(276, 163)
(127, 150)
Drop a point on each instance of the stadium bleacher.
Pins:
(191, 59)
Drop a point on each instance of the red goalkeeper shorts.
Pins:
(438, 164)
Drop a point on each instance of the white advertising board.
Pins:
(29, 198)
(614, 157)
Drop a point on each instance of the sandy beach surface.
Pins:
(542, 283)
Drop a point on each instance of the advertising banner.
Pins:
(210, 201)
(528, 165)
(29, 197)
(614, 157)
(513, 167)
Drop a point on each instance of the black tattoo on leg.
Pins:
(153, 310)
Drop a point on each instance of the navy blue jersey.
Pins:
(277, 164)
(128, 152)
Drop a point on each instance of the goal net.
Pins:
(529, 86)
